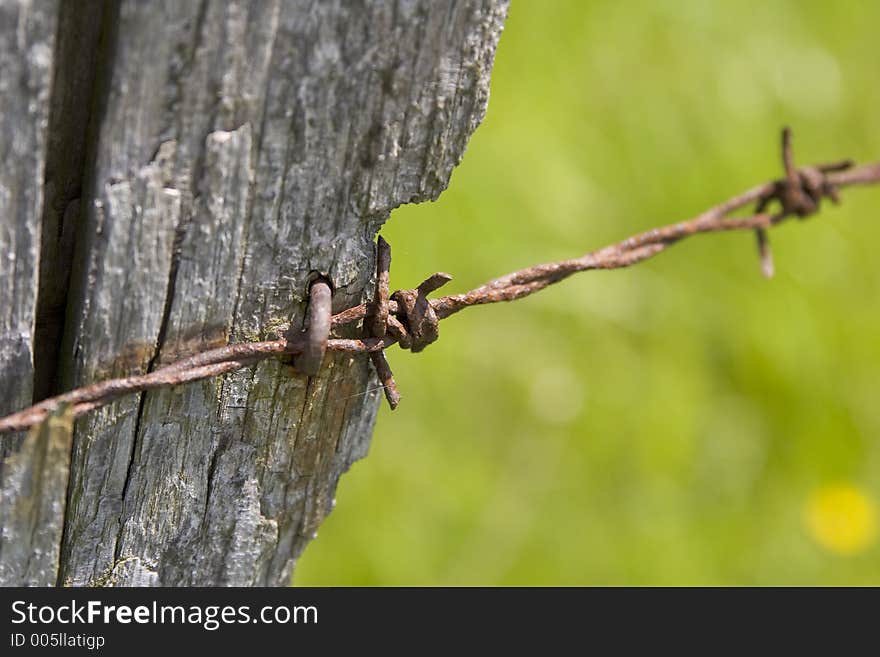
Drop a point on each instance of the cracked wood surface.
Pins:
(32, 502)
(32, 480)
(27, 33)
(235, 149)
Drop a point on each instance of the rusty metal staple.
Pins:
(409, 318)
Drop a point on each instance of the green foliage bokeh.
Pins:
(664, 424)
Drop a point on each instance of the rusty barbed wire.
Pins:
(409, 318)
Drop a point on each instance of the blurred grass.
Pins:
(665, 424)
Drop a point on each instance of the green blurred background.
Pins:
(680, 422)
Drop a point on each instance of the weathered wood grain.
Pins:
(32, 503)
(27, 36)
(236, 149)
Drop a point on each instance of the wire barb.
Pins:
(418, 324)
(386, 378)
(379, 310)
(379, 321)
(765, 253)
(410, 319)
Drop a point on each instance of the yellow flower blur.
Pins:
(842, 519)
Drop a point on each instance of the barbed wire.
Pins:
(409, 318)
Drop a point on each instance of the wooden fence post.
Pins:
(173, 174)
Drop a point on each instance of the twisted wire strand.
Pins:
(409, 318)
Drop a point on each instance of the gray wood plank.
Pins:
(236, 149)
(32, 503)
(27, 36)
